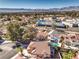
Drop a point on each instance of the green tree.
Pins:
(14, 31)
(26, 36)
(30, 33)
(68, 55)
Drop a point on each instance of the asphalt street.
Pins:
(7, 52)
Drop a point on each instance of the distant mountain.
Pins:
(70, 8)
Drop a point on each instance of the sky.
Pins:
(45, 4)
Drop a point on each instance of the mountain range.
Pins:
(70, 8)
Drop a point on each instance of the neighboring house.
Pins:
(44, 23)
(71, 23)
(41, 47)
(59, 25)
